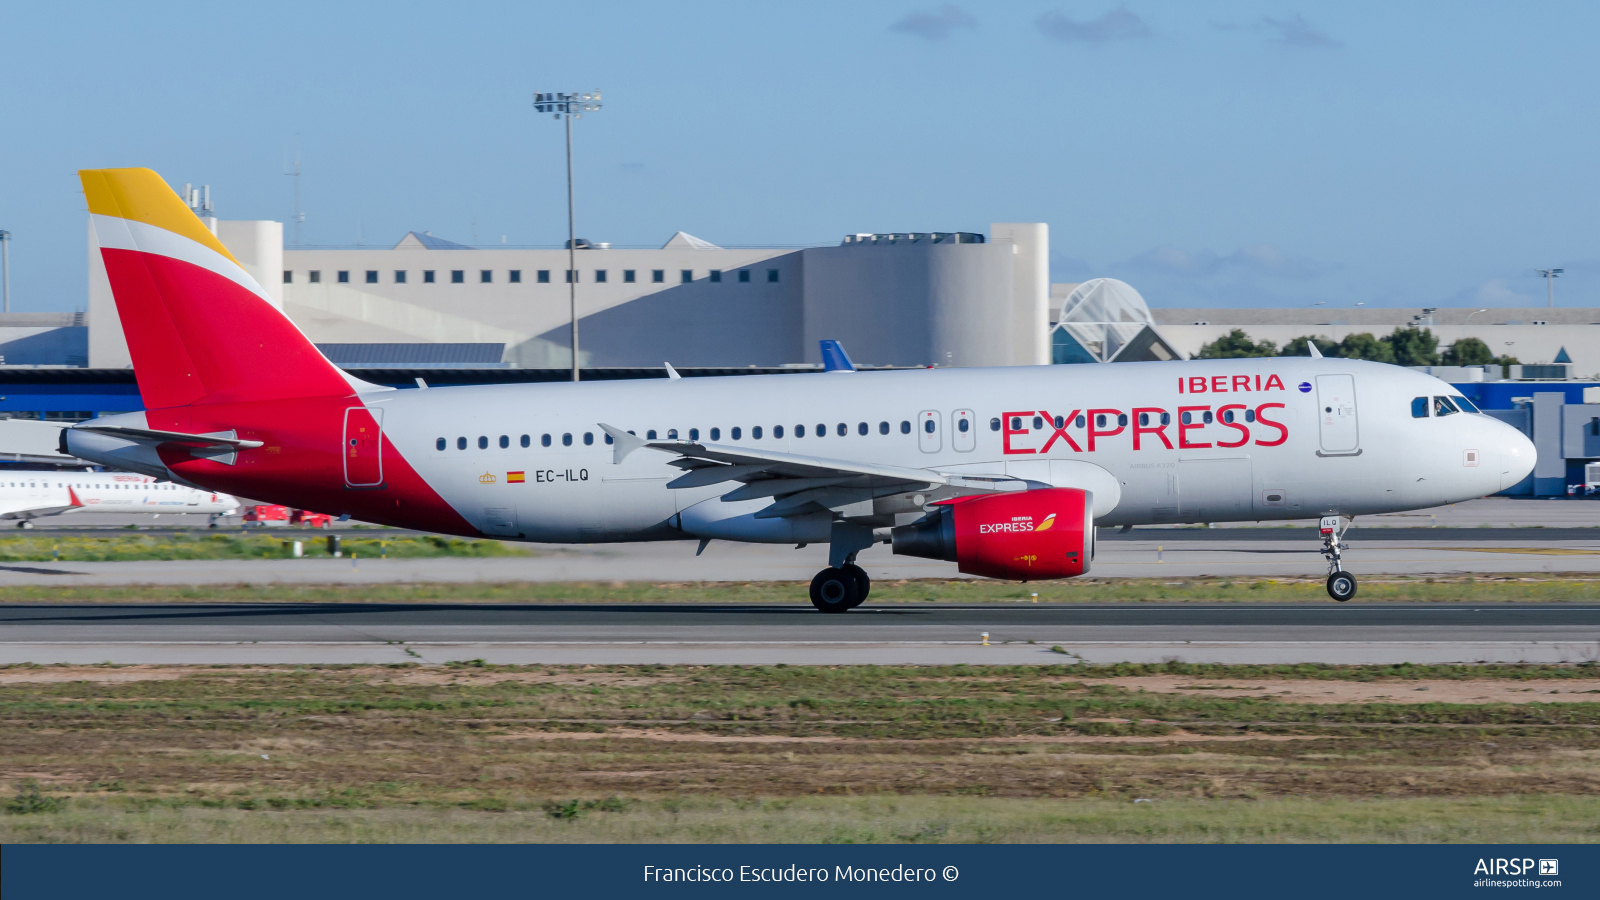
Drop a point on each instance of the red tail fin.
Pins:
(199, 328)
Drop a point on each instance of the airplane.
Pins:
(28, 495)
(1008, 472)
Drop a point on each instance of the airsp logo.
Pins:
(1549, 867)
(1515, 867)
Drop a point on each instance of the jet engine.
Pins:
(1025, 535)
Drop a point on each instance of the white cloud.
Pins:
(935, 26)
(1117, 25)
(1498, 292)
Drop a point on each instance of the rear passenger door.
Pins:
(963, 431)
(928, 431)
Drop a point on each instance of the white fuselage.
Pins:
(1309, 437)
(31, 494)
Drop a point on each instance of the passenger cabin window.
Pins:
(1249, 416)
(505, 441)
(1419, 407)
(736, 433)
(461, 443)
(588, 438)
(905, 426)
(440, 443)
(1078, 421)
(994, 424)
(694, 434)
(1443, 407)
(483, 442)
(883, 427)
(822, 430)
(544, 440)
(777, 432)
(862, 429)
(526, 441)
(928, 426)
(843, 429)
(716, 434)
(1038, 421)
(963, 425)
(650, 435)
(672, 434)
(755, 433)
(799, 431)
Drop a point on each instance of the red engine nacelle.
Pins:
(1026, 535)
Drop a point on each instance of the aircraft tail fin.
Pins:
(834, 359)
(199, 328)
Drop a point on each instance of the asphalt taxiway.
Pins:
(934, 633)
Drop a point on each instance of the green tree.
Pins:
(1236, 345)
(1297, 347)
(1365, 346)
(1414, 347)
(1468, 352)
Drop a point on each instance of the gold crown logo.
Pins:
(486, 478)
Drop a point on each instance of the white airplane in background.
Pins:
(1004, 471)
(27, 495)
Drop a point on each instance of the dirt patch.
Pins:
(96, 674)
(692, 738)
(1478, 691)
(476, 677)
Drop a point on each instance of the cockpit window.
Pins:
(1419, 408)
(1443, 407)
(1466, 405)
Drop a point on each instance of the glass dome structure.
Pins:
(1105, 320)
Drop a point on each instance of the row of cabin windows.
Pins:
(1441, 406)
(842, 429)
(542, 276)
(715, 434)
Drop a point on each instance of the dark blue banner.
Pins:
(312, 872)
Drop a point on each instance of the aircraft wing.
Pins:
(149, 436)
(796, 482)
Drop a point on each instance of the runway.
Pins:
(751, 635)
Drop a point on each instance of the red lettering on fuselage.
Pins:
(1159, 430)
(1244, 432)
(1283, 433)
(1094, 432)
(1060, 432)
(1185, 427)
(1006, 431)
(1273, 383)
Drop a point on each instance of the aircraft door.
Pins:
(928, 431)
(963, 431)
(1336, 411)
(363, 447)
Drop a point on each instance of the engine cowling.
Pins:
(1026, 535)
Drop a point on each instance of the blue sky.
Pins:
(1223, 154)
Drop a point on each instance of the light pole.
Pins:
(1550, 276)
(569, 107)
(5, 268)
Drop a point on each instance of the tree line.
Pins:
(1405, 347)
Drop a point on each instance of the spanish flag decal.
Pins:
(1048, 521)
(515, 478)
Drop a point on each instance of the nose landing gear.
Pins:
(1341, 584)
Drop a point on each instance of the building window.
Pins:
(687, 275)
(570, 276)
(544, 276)
(288, 277)
(628, 276)
(485, 276)
(515, 276)
(399, 276)
(716, 275)
(772, 276)
(658, 276)
(314, 276)
(427, 276)
(458, 276)
(744, 276)
(372, 276)
(599, 276)
(344, 276)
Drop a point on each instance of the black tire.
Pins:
(835, 591)
(863, 583)
(1341, 586)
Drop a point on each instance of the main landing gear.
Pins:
(836, 590)
(1341, 584)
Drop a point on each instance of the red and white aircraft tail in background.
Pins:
(1004, 471)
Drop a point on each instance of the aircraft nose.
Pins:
(1517, 456)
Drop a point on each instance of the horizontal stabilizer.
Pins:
(149, 436)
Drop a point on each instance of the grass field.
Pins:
(843, 754)
(1508, 588)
